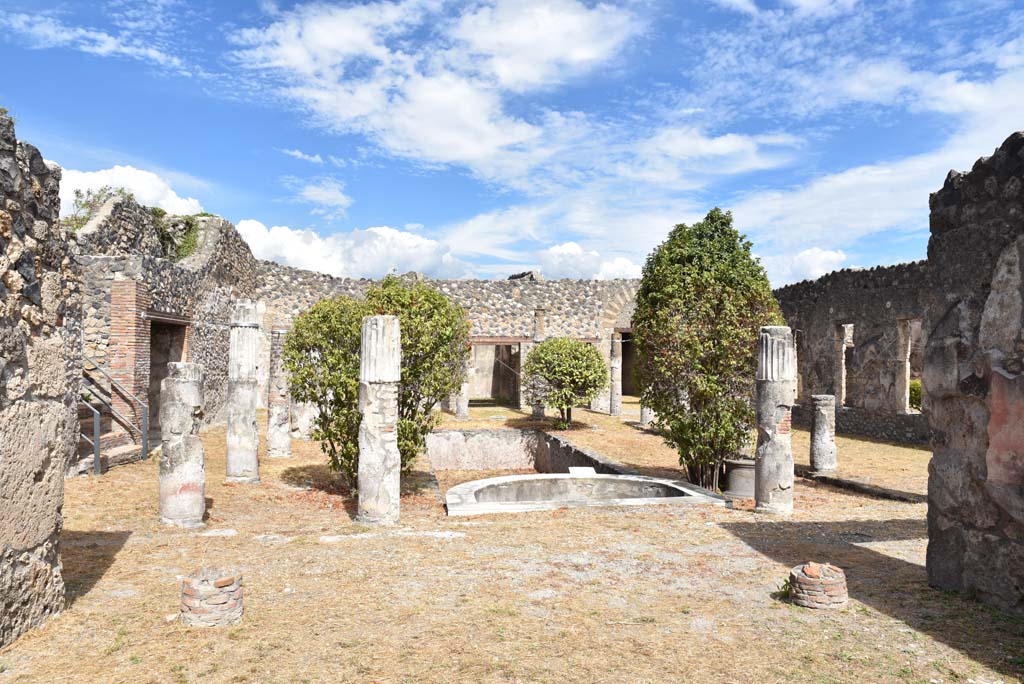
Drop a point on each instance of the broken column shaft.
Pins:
(182, 470)
(279, 429)
(380, 464)
(242, 434)
(776, 380)
(823, 433)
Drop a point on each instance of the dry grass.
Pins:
(659, 594)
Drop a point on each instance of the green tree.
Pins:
(701, 302)
(435, 351)
(321, 355)
(561, 372)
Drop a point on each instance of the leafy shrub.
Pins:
(321, 355)
(189, 239)
(561, 372)
(915, 394)
(702, 300)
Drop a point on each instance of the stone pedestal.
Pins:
(615, 367)
(776, 380)
(739, 478)
(380, 464)
(823, 433)
(279, 429)
(242, 434)
(182, 468)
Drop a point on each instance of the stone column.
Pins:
(615, 365)
(380, 464)
(279, 427)
(776, 377)
(462, 398)
(646, 416)
(243, 437)
(182, 468)
(524, 350)
(823, 433)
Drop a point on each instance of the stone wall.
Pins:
(974, 378)
(855, 331)
(901, 428)
(128, 242)
(500, 311)
(510, 449)
(40, 374)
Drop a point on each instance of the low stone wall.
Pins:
(556, 454)
(504, 449)
(510, 449)
(900, 428)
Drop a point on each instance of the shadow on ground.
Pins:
(86, 557)
(320, 477)
(894, 586)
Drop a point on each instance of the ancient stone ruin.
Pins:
(974, 380)
(212, 598)
(380, 464)
(824, 455)
(40, 377)
(182, 464)
(243, 437)
(818, 585)
(773, 459)
(279, 426)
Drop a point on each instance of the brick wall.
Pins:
(129, 345)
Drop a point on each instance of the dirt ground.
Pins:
(658, 594)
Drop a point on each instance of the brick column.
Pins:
(129, 346)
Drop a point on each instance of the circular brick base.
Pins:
(817, 585)
(211, 598)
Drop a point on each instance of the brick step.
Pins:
(109, 458)
(108, 440)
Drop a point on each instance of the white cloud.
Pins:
(370, 253)
(525, 44)
(43, 31)
(806, 264)
(745, 6)
(839, 208)
(687, 156)
(326, 194)
(302, 156)
(367, 69)
(570, 260)
(149, 188)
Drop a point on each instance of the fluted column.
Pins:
(776, 381)
(380, 464)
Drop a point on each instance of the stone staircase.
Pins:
(120, 441)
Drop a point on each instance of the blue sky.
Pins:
(484, 138)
